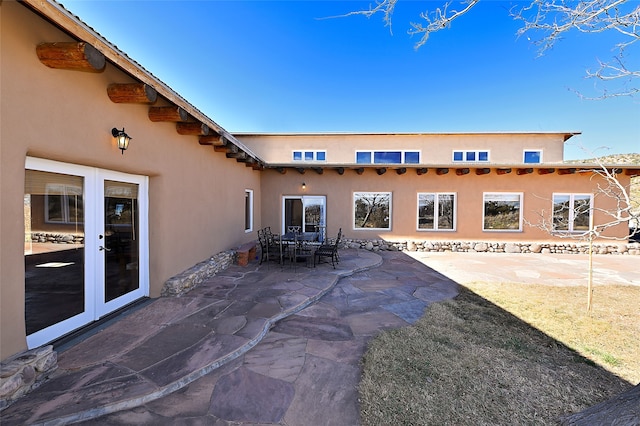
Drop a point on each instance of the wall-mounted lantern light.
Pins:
(122, 138)
(304, 186)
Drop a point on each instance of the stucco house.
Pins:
(88, 227)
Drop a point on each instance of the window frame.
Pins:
(436, 212)
(403, 156)
(248, 210)
(572, 210)
(313, 153)
(524, 156)
(465, 155)
(361, 194)
(496, 196)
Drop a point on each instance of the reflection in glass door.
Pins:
(308, 212)
(54, 249)
(121, 251)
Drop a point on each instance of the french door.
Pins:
(308, 212)
(86, 246)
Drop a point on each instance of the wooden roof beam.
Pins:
(632, 172)
(401, 170)
(131, 93)
(170, 113)
(318, 170)
(442, 171)
(281, 170)
(422, 171)
(192, 128)
(483, 171)
(75, 56)
(381, 170)
(213, 139)
(566, 171)
(359, 170)
(461, 172)
(301, 170)
(526, 171)
(546, 171)
(503, 171)
(340, 170)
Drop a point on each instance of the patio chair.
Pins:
(328, 251)
(270, 246)
(302, 248)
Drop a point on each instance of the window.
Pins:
(64, 203)
(502, 212)
(572, 212)
(309, 155)
(388, 157)
(533, 157)
(372, 210)
(248, 210)
(436, 211)
(471, 156)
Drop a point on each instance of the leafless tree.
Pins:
(575, 220)
(545, 22)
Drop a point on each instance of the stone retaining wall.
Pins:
(192, 277)
(25, 372)
(494, 247)
(56, 238)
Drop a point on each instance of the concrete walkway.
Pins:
(253, 345)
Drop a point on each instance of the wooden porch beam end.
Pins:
(461, 172)
(401, 170)
(483, 171)
(442, 171)
(131, 93)
(171, 113)
(192, 128)
(524, 171)
(566, 171)
(75, 56)
(422, 171)
(503, 171)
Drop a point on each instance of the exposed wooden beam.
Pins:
(461, 172)
(503, 171)
(524, 171)
(340, 170)
(401, 170)
(239, 156)
(483, 171)
(318, 170)
(422, 171)
(566, 171)
(257, 166)
(172, 113)
(381, 170)
(360, 170)
(546, 171)
(132, 93)
(301, 170)
(632, 172)
(281, 170)
(442, 171)
(76, 56)
(213, 139)
(192, 128)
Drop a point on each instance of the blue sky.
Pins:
(277, 66)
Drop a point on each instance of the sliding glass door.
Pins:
(307, 212)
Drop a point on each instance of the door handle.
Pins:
(104, 248)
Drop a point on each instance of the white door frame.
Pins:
(94, 306)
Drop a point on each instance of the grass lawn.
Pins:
(504, 354)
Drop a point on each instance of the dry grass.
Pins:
(467, 361)
(608, 335)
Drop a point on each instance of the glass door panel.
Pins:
(54, 248)
(308, 212)
(121, 237)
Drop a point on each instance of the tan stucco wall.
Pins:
(504, 148)
(196, 196)
(538, 191)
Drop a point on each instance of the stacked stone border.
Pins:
(562, 247)
(25, 372)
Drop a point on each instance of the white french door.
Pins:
(86, 246)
